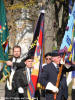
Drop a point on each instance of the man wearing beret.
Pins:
(21, 79)
(47, 61)
(48, 78)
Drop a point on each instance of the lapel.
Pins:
(54, 68)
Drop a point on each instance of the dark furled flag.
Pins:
(36, 34)
(38, 37)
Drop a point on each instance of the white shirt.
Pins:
(55, 65)
(28, 73)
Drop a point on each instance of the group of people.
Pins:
(20, 74)
(17, 83)
(50, 73)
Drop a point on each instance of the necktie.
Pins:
(57, 69)
(15, 65)
(30, 71)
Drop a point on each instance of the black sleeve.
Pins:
(19, 65)
(43, 79)
(72, 68)
(20, 79)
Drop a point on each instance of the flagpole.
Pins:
(59, 76)
(37, 52)
(43, 53)
(43, 11)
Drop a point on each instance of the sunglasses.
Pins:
(48, 58)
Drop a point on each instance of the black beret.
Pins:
(27, 57)
(47, 54)
(56, 53)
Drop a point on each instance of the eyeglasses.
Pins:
(48, 58)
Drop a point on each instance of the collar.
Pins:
(55, 65)
(18, 60)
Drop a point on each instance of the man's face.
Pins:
(48, 59)
(29, 62)
(56, 59)
(16, 52)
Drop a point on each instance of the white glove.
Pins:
(62, 62)
(51, 87)
(9, 85)
(20, 90)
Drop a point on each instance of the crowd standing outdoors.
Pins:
(49, 75)
(20, 74)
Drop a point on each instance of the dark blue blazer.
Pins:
(49, 74)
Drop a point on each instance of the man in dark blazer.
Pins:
(21, 79)
(47, 61)
(49, 75)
